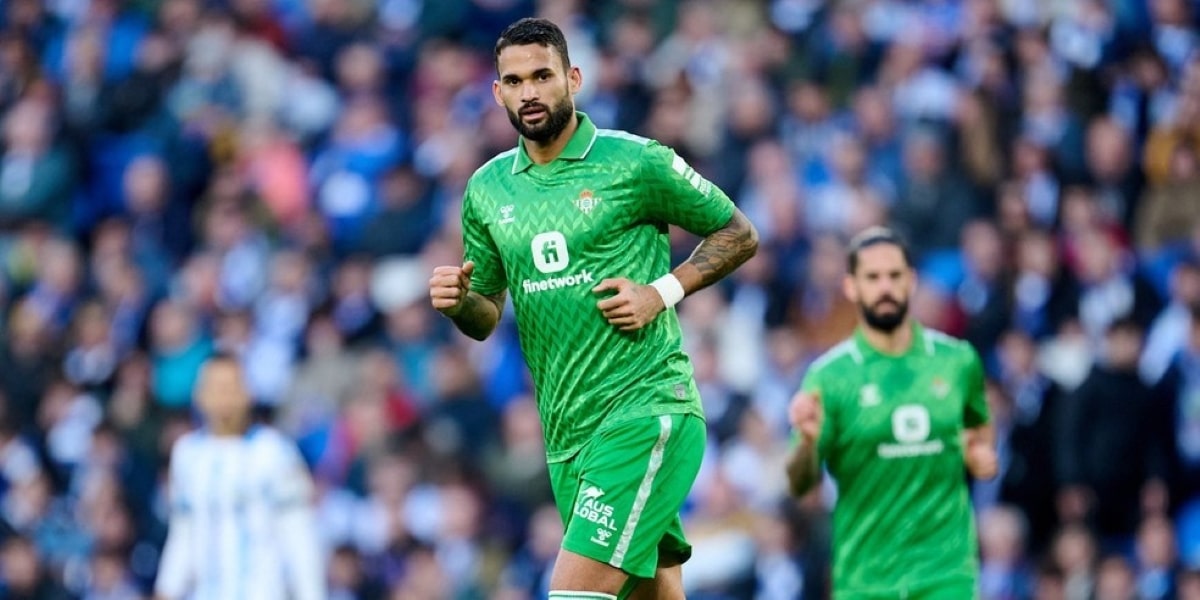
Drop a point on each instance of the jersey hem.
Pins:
(567, 454)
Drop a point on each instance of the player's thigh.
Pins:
(666, 585)
(576, 573)
(633, 479)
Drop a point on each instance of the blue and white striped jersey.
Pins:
(241, 522)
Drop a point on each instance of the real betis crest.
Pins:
(586, 201)
(940, 388)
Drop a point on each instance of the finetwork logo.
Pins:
(550, 255)
(557, 283)
(549, 250)
(911, 428)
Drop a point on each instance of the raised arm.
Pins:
(718, 254)
(979, 435)
(480, 314)
(807, 416)
(678, 195)
(475, 314)
(803, 468)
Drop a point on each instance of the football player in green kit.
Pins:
(573, 223)
(896, 413)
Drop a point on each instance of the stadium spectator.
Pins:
(1112, 459)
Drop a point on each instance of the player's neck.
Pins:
(543, 153)
(894, 342)
(229, 428)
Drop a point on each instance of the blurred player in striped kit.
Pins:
(241, 521)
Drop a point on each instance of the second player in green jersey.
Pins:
(895, 413)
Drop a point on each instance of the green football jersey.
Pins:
(550, 233)
(891, 440)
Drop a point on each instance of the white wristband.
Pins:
(669, 288)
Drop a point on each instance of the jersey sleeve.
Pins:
(479, 247)
(675, 193)
(293, 484)
(975, 411)
(178, 501)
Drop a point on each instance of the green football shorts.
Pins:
(620, 495)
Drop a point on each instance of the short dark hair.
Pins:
(874, 236)
(542, 32)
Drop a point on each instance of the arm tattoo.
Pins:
(724, 250)
(479, 314)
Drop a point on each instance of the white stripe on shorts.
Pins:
(643, 492)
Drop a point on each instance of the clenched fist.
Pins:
(448, 287)
(807, 414)
(979, 454)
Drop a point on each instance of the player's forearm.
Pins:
(719, 254)
(803, 469)
(478, 315)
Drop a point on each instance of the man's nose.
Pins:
(529, 92)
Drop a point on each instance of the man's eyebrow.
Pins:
(535, 73)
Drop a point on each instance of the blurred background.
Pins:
(278, 177)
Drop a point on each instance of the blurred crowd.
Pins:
(278, 177)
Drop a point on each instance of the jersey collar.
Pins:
(920, 343)
(577, 147)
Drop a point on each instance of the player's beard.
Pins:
(881, 321)
(556, 120)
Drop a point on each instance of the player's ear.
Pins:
(849, 289)
(496, 92)
(575, 79)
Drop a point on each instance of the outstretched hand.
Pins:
(632, 307)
